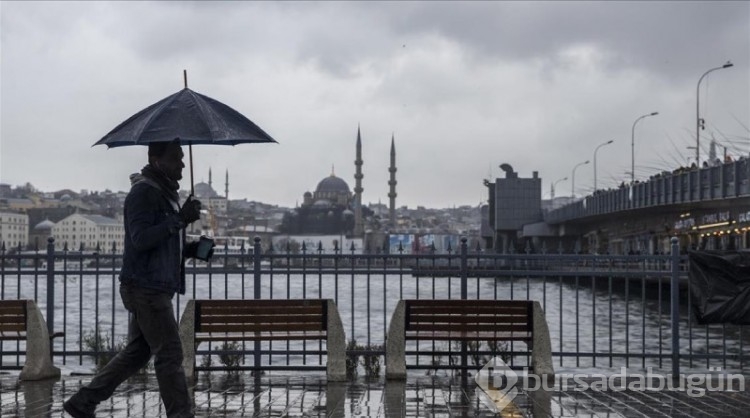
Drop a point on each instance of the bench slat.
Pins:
(13, 327)
(271, 303)
(261, 310)
(469, 327)
(468, 309)
(287, 327)
(265, 336)
(463, 303)
(467, 336)
(465, 318)
(256, 319)
(9, 307)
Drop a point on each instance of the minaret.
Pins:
(358, 225)
(226, 189)
(209, 177)
(392, 184)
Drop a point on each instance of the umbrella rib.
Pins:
(203, 113)
(167, 101)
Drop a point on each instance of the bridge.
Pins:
(705, 207)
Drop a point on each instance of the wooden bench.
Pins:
(468, 320)
(264, 320)
(21, 320)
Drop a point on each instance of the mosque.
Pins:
(333, 208)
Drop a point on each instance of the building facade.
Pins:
(14, 229)
(90, 231)
(513, 203)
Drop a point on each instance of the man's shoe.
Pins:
(76, 411)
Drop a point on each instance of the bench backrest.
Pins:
(469, 315)
(12, 317)
(261, 315)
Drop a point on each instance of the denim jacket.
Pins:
(153, 247)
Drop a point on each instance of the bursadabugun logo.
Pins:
(497, 384)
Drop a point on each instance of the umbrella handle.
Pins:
(192, 187)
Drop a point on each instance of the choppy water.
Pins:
(581, 320)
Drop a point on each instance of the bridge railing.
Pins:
(722, 181)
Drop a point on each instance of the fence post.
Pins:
(675, 292)
(50, 285)
(464, 268)
(256, 268)
(256, 296)
(464, 296)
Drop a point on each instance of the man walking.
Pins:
(152, 272)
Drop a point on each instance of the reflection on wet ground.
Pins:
(310, 395)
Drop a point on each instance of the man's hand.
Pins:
(190, 210)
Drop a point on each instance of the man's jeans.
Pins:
(153, 330)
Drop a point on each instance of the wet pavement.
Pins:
(309, 395)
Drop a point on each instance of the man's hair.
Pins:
(158, 149)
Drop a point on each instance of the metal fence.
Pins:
(603, 311)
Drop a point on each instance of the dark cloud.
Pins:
(662, 36)
(464, 86)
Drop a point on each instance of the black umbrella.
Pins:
(190, 117)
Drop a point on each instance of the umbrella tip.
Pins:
(184, 77)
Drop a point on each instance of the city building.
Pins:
(90, 231)
(514, 202)
(14, 229)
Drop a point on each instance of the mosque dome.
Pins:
(332, 184)
(45, 225)
(204, 190)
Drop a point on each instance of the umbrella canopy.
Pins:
(190, 117)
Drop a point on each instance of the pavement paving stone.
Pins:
(419, 396)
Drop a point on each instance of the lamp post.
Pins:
(552, 187)
(573, 178)
(632, 146)
(595, 150)
(697, 113)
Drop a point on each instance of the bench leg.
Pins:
(187, 337)
(336, 345)
(395, 345)
(541, 352)
(38, 364)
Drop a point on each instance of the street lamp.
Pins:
(552, 187)
(595, 150)
(632, 146)
(697, 112)
(573, 188)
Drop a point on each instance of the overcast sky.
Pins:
(463, 87)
